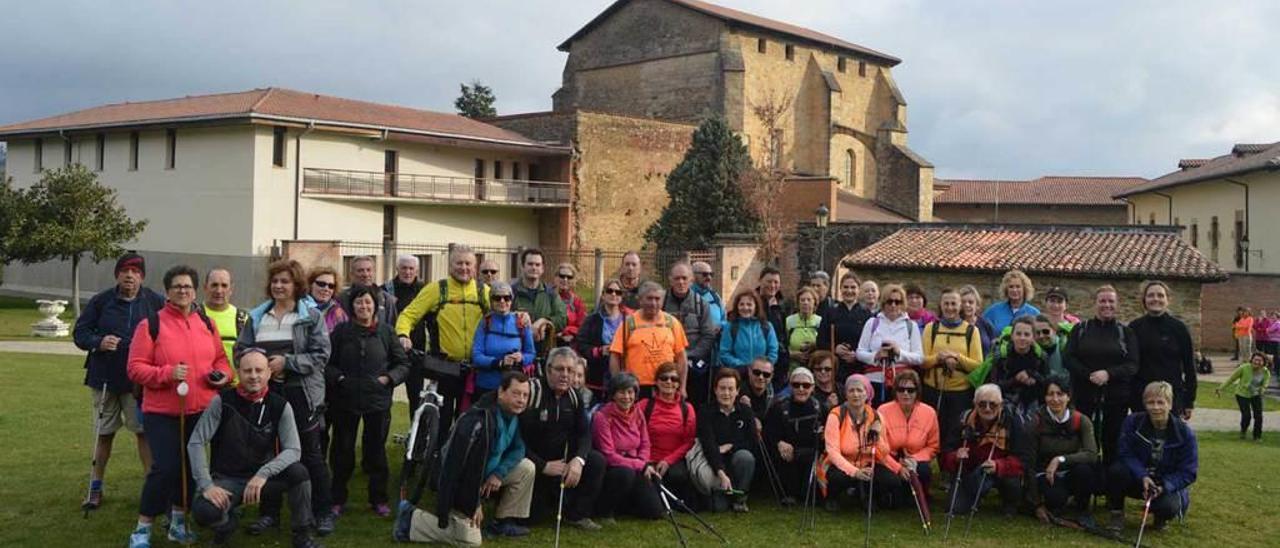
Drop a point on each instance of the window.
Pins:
(850, 160)
(388, 222)
(278, 135)
(497, 169)
(862, 68)
(424, 268)
(535, 174)
(479, 174)
(390, 167)
(1152, 220)
(133, 151)
(791, 52)
(1213, 239)
(1239, 236)
(515, 171)
(38, 156)
(1195, 234)
(840, 64)
(762, 45)
(170, 148)
(67, 147)
(1177, 221)
(775, 149)
(100, 154)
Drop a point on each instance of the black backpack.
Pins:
(684, 410)
(153, 322)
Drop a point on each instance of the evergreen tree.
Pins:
(13, 211)
(476, 101)
(706, 192)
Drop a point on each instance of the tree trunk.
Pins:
(75, 284)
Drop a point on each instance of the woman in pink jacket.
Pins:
(182, 349)
(620, 434)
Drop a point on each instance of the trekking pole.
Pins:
(671, 517)
(183, 388)
(977, 495)
(771, 472)
(872, 437)
(88, 505)
(915, 495)
(560, 506)
(669, 497)
(955, 490)
(1146, 511)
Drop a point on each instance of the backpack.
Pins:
(684, 410)
(933, 335)
(875, 325)
(733, 332)
(153, 322)
(432, 317)
(536, 391)
(629, 325)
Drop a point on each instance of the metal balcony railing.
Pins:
(434, 188)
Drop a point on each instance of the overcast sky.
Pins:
(996, 89)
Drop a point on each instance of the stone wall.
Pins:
(1186, 297)
(1257, 291)
(986, 213)
(904, 181)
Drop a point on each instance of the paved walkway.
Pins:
(61, 348)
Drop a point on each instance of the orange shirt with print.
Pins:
(649, 344)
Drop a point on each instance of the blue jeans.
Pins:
(162, 489)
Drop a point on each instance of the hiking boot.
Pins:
(93, 500)
(180, 533)
(404, 519)
(1116, 523)
(585, 524)
(325, 524)
(264, 522)
(303, 539)
(381, 509)
(140, 538)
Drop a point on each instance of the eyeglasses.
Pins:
(324, 285)
(761, 373)
(987, 405)
(488, 271)
(183, 287)
(669, 378)
(888, 302)
(1044, 332)
(802, 385)
(501, 297)
(565, 276)
(906, 389)
(708, 274)
(613, 292)
(823, 369)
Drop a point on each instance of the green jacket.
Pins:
(540, 302)
(1242, 381)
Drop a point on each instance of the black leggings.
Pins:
(373, 460)
(313, 459)
(1076, 482)
(1250, 406)
(627, 490)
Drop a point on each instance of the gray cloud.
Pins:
(1003, 89)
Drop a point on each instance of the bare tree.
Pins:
(763, 186)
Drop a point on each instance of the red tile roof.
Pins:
(1244, 158)
(750, 20)
(851, 208)
(274, 103)
(1080, 252)
(1052, 190)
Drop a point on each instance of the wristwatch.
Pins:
(1062, 459)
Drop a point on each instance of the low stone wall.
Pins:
(1257, 291)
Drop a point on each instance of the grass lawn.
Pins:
(45, 424)
(17, 315)
(1206, 400)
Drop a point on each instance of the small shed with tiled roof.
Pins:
(1078, 259)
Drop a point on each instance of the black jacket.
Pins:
(358, 357)
(715, 429)
(848, 322)
(794, 423)
(1007, 367)
(462, 460)
(405, 294)
(760, 403)
(1165, 354)
(1095, 345)
(590, 345)
(550, 422)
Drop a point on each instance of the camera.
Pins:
(216, 377)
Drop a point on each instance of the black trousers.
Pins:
(321, 483)
(162, 489)
(1250, 406)
(699, 387)
(1113, 414)
(976, 483)
(1075, 483)
(950, 407)
(294, 480)
(578, 501)
(1121, 484)
(373, 449)
(628, 491)
(840, 484)
(794, 475)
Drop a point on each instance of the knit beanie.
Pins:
(131, 260)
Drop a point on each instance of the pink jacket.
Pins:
(622, 437)
(183, 339)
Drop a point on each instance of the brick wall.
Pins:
(1186, 297)
(1257, 291)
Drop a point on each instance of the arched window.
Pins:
(849, 173)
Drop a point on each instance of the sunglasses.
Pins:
(565, 276)
(906, 389)
(762, 374)
(802, 385)
(488, 271)
(324, 285)
(888, 302)
(823, 369)
(1044, 332)
(613, 292)
(669, 378)
(702, 273)
(987, 405)
(501, 297)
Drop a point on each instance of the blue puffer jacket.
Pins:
(745, 339)
(108, 314)
(1177, 468)
(496, 336)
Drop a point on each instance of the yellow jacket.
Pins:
(457, 316)
(947, 338)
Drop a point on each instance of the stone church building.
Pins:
(642, 74)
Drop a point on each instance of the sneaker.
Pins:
(740, 507)
(1117, 521)
(509, 528)
(181, 534)
(140, 538)
(381, 509)
(1087, 521)
(585, 524)
(325, 525)
(92, 501)
(304, 540)
(404, 519)
(264, 522)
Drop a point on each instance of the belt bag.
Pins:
(440, 368)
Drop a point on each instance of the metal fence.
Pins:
(442, 188)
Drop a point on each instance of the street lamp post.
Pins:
(822, 215)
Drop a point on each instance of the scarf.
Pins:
(950, 324)
(255, 397)
(997, 435)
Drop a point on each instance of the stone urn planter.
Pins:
(51, 326)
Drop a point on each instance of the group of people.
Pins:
(656, 394)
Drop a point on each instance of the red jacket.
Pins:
(575, 311)
(671, 431)
(182, 340)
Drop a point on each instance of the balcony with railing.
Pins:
(422, 188)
